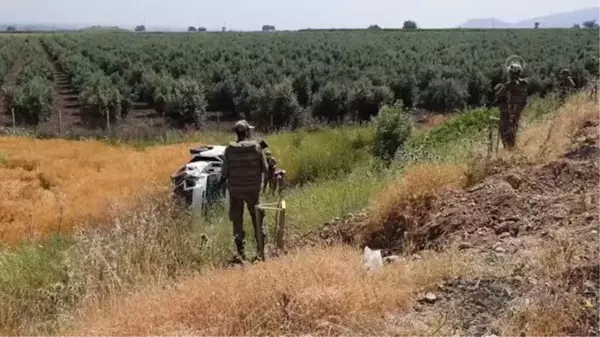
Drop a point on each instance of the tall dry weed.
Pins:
(317, 292)
(549, 138)
(41, 284)
(417, 184)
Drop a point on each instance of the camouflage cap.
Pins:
(565, 71)
(242, 126)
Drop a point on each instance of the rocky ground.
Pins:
(540, 222)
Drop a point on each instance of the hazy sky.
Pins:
(284, 14)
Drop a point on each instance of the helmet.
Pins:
(268, 152)
(565, 72)
(514, 65)
(242, 126)
(515, 69)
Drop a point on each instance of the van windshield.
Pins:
(201, 158)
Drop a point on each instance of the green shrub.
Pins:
(329, 103)
(445, 95)
(277, 106)
(392, 128)
(185, 103)
(32, 96)
(100, 97)
(32, 100)
(221, 97)
(154, 87)
(365, 99)
(405, 89)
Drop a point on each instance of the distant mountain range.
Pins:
(558, 20)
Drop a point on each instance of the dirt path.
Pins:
(66, 101)
(9, 82)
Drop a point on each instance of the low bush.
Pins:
(185, 103)
(392, 128)
(32, 100)
(33, 95)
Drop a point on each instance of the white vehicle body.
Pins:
(197, 181)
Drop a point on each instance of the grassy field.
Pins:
(328, 291)
(149, 243)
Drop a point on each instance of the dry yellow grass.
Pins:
(52, 185)
(417, 183)
(318, 291)
(550, 138)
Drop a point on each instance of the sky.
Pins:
(283, 14)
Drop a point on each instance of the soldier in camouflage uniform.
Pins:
(270, 175)
(279, 180)
(566, 84)
(243, 169)
(275, 177)
(512, 96)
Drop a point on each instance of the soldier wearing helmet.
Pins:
(275, 176)
(566, 84)
(270, 174)
(512, 97)
(243, 168)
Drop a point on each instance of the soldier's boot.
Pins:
(240, 243)
(240, 256)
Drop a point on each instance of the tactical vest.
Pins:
(244, 167)
(517, 92)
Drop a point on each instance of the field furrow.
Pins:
(65, 106)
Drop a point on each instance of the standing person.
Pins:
(566, 84)
(513, 96)
(270, 175)
(279, 180)
(243, 169)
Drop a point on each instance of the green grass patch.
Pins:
(324, 154)
(34, 286)
(306, 155)
(465, 124)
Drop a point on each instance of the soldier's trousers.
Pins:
(269, 181)
(563, 95)
(236, 215)
(509, 124)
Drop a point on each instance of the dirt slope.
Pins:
(540, 221)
